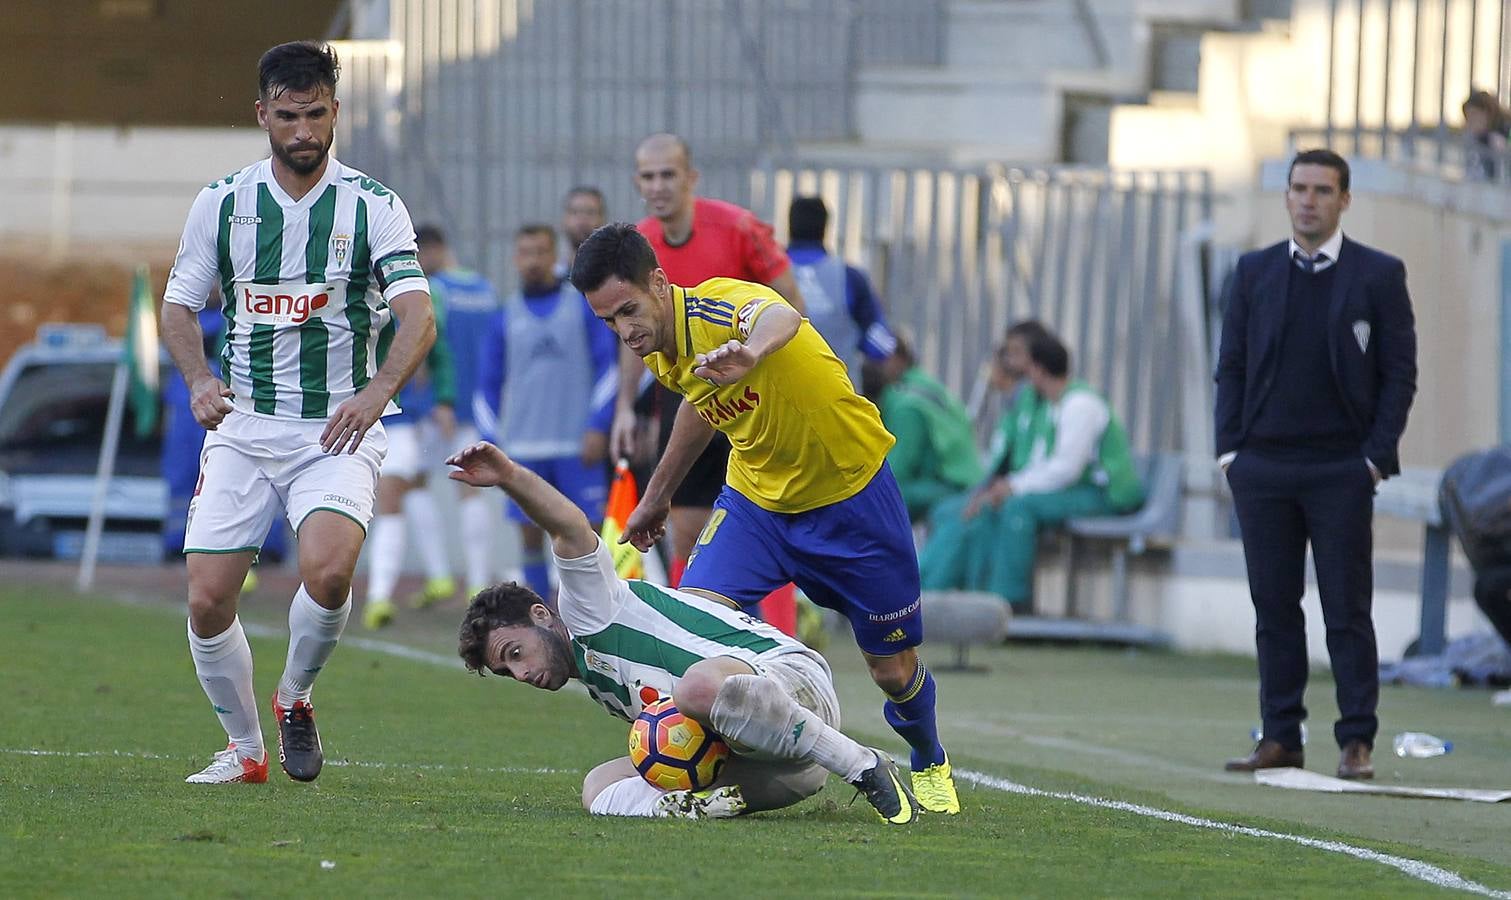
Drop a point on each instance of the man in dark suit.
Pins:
(1314, 380)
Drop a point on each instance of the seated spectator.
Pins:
(1059, 453)
(1487, 125)
(935, 455)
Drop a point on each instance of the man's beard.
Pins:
(301, 168)
(561, 656)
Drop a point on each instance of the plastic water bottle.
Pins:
(1417, 745)
(1256, 734)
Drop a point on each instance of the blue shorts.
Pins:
(585, 486)
(855, 556)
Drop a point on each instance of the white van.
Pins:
(53, 398)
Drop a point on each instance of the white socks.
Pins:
(224, 666)
(754, 712)
(313, 632)
(632, 796)
(425, 522)
(477, 540)
(386, 543)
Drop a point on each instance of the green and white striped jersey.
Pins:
(633, 640)
(306, 283)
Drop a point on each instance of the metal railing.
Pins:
(959, 254)
(1458, 157)
(482, 113)
(1398, 71)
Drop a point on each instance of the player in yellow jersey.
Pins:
(809, 497)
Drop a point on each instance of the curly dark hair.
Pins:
(501, 606)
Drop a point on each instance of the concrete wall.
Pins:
(68, 185)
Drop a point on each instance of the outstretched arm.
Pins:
(484, 465)
(690, 437)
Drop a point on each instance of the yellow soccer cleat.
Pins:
(810, 625)
(935, 789)
(434, 591)
(378, 613)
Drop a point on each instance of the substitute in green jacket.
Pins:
(935, 456)
(1059, 453)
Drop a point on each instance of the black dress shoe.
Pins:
(1267, 755)
(1354, 764)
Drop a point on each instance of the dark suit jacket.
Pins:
(1377, 383)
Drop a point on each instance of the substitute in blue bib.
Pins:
(809, 498)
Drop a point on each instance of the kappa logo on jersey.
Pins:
(371, 185)
(244, 220)
(284, 304)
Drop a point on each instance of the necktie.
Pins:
(1309, 264)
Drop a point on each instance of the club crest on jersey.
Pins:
(282, 304)
(340, 244)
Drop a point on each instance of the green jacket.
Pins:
(1030, 421)
(936, 444)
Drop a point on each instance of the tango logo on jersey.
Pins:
(283, 304)
(717, 412)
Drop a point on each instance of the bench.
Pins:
(1157, 521)
(1413, 495)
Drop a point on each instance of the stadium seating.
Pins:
(1156, 521)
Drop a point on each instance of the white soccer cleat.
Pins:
(715, 803)
(228, 767)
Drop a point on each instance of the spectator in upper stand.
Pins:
(935, 455)
(470, 305)
(1060, 453)
(582, 211)
(838, 297)
(1487, 124)
(553, 366)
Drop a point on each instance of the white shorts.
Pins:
(253, 464)
(415, 448)
(805, 677)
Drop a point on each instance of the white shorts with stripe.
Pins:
(253, 464)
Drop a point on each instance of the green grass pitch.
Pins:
(439, 783)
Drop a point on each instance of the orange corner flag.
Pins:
(624, 495)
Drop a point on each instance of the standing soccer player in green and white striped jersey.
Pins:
(632, 643)
(313, 259)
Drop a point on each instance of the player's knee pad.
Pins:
(756, 717)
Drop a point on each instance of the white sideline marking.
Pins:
(1410, 867)
(339, 763)
(386, 647)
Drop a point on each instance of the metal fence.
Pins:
(959, 254)
(482, 113)
(1398, 71)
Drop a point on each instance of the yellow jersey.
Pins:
(801, 436)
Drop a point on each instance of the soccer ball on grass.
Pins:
(672, 751)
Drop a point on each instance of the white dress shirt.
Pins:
(1080, 417)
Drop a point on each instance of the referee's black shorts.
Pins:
(705, 479)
